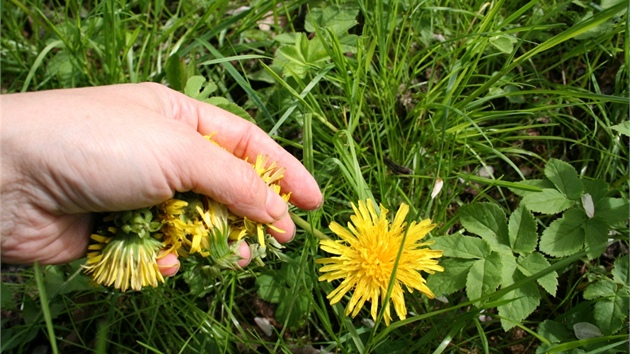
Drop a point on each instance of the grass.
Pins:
(394, 96)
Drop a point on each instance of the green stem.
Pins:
(307, 227)
(43, 298)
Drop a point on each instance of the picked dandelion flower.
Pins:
(365, 259)
(124, 260)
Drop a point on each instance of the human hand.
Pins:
(69, 153)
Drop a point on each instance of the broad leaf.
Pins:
(564, 236)
(612, 210)
(488, 221)
(595, 237)
(610, 314)
(522, 231)
(460, 246)
(484, 276)
(600, 288)
(549, 201)
(338, 19)
(620, 270)
(452, 279)
(596, 188)
(269, 289)
(534, 263)
(623, 128)
(555, 332)
(525, 300)
(564, 177)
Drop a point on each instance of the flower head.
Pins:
(365, 259)
(124, 260)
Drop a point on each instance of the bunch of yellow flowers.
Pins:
(125, 249)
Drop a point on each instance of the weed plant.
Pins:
(494, 101)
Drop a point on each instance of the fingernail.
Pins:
(275, 205)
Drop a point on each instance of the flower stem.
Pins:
(307, 227)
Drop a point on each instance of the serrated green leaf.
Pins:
(595, 237)
(460, 246)
(549, 201)
(610, 314)
(564, 236)
(554, 331)
(525, 299)
(620, 270)
(611, 210)
(488, 221)
(534, 263)
(600, 288)
(596, 188)
(623, 128)
(564, 177)
(337, 19)
(452, 279)
(484, 276)
(522, 231)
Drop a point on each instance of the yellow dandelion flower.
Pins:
(366, 255)
(124, 261)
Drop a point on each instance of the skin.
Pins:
(67, 154)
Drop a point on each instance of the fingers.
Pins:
(168, 264)
(210, 170)
(287, 227)
(243, 140)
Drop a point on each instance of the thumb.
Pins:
(213, 171)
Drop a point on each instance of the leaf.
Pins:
(197, 88)
(585, 330)
(623, 128)
(612, 211)
(269, 289)
(522, 231)
(610, 314)
(600, 288)
(525, 300)
(337, 19)
(564, 177)
(484, 276)
(549, 201)
(620, 270)
(504, 43)
(564, 236)
(488, 221)
(554, 331)
(460, 246)
(176, 75)
(534, 263)
(7, 302)
(596, 188)
(452, 279)
(230, 107)
(595, 237)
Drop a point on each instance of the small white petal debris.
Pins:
(589, 207)
(264, 325)
(437, 187)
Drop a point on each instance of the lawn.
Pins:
(504, 122)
